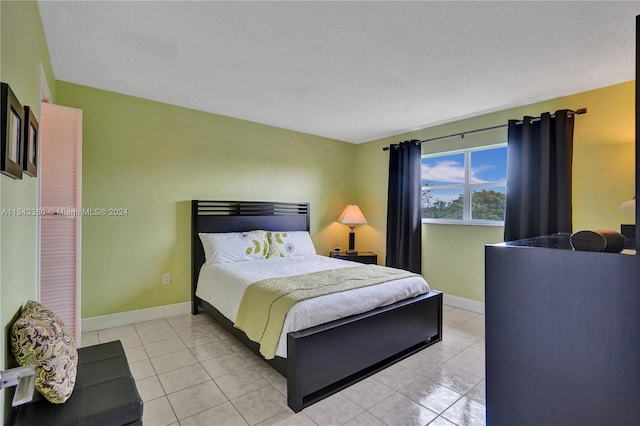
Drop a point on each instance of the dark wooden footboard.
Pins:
(325, 359)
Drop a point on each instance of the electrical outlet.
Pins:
(166, 278)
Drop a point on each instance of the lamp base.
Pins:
(352, 243)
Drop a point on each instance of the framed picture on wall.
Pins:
(30, 157)
(11, 136)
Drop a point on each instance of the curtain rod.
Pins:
(579, 111)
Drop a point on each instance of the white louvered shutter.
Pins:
(60, 173)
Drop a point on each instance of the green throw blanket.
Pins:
(265, 303)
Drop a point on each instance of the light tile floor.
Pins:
(190, 371)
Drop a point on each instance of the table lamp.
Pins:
(352, 216)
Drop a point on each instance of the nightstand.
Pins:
(362, 257)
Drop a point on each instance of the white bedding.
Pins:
(223, 284)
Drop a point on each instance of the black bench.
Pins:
(105, 393)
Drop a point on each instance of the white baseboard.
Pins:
(131, 317)
(463, 303)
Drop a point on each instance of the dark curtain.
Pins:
(539, 164)
(404, 222)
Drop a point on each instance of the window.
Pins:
(465, 186)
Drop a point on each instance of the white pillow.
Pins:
(230, 247)
(290, 243)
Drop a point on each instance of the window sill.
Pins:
(462, 222)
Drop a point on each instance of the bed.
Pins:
(326, 358)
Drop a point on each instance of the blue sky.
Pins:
(488, 165)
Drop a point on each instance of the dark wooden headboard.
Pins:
(240, 216)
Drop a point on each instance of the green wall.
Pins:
(152, 158)
(22, 52)
(453, 255)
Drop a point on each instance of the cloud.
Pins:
(443, 171)
(479, 169)
(449, 171)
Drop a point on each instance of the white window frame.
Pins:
(467, 189)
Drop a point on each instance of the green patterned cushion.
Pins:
(39, 339)
(292, 243)
(234, 246)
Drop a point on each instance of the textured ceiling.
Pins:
(352, 71)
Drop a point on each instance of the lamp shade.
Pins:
(352, 215)
(628, 207)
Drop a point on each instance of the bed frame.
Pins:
(327, 358)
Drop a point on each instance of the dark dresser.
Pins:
(562, 335)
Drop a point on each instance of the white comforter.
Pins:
(223, 284)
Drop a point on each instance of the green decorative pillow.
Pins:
(39, 339)
(277, 245)
(292, 243)
(234, 246)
